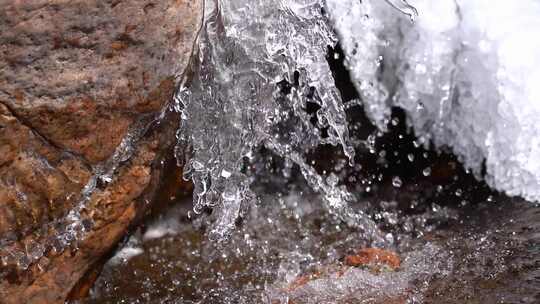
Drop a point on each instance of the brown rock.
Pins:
(80, 72)
(357, 285)
(374, 257)
(303, 280)
(37, 181)
(77, 80)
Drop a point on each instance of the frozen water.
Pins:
(259, 64)
(162, 227)
(465, 71)
(124, 254)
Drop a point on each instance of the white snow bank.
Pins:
(467, 72)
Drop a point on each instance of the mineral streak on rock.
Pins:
(76, 78)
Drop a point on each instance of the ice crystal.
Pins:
(259, 64)
(464, 71)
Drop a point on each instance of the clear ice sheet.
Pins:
(465, 71)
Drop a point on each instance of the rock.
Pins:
(358, 279)
(374, 258)
(82, 86)
(303, 280)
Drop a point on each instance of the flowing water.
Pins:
(260, 64)
(290, 177)
(482, 251)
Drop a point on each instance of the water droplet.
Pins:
(396, 182)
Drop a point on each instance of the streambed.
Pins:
(482, 251)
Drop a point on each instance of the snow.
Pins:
(466, 72)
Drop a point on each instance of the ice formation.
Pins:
(259, 63)
(465, 71)
(449, 64)
(125, 254)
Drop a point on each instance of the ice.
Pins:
(465, 71)
(161, 228)
(259, 64)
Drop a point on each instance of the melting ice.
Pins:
(465, 71)
(259, 64)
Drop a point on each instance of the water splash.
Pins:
(259, 65)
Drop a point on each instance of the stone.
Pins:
(374, 258)
(78, 80)
(359, 278)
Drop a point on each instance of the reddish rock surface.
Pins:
(303, 280)
(374, 257)
(76, 79)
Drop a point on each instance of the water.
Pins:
(484, 252)
(270, 127)
(261, 66)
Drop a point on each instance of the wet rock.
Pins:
(374, 258)
(362, 271)
(37, 181)
(343, 284)
(303, 280)
(77, 80)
